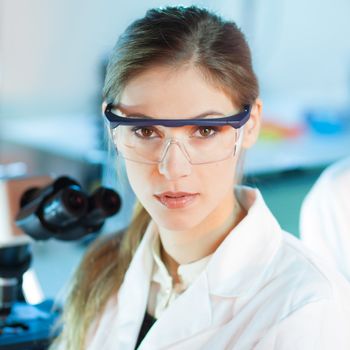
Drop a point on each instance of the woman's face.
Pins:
(178, 195)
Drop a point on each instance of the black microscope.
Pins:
(40, 208)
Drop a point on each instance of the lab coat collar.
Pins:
(247, 250)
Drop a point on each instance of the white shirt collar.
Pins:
(186, 272)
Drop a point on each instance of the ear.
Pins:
(252, 127)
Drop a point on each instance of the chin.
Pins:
(174, 226)
(177, 221)
(181, 219)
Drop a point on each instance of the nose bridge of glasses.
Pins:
(174, 142)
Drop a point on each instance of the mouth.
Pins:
(176, 200)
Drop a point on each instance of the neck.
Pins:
(183, 247)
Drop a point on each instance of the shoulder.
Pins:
(306, 277)
(338, 170)
(310, 301)
(336, 177)
(294, 278)
(317, 326)
(327, 203)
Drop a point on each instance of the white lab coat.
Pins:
(325, 216)
(260, 290)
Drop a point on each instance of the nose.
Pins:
(175, 163)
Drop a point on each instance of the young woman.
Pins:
(203, 264)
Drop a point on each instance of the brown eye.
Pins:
(205, 131)
(144, 132)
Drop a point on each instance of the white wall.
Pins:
(302, 51)
(51, 50)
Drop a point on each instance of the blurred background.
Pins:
(52, 60)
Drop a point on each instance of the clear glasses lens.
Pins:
(200, 144)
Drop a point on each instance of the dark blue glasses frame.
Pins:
(236, 120)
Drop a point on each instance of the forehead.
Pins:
(168, 92)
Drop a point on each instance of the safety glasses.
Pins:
(236, 120)
(201, 140)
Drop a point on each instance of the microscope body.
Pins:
(40, 208)
(15, 255)
(16, 315)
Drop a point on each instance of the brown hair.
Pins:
(170, 36)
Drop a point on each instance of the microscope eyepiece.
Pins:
(103, 203)
(107, 200)
(65, 207)
(75, 200)
(112, 201)
(62, 210)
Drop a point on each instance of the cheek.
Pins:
(142, 179)
(137, 176)
(219, 178)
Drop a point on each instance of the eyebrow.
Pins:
(144, 116)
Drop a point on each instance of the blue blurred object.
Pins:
(30, 327)
(327, 121)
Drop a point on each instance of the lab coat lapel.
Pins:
(132, 297)
(186, 316)
(244, 257)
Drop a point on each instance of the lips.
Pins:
(176, 200)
